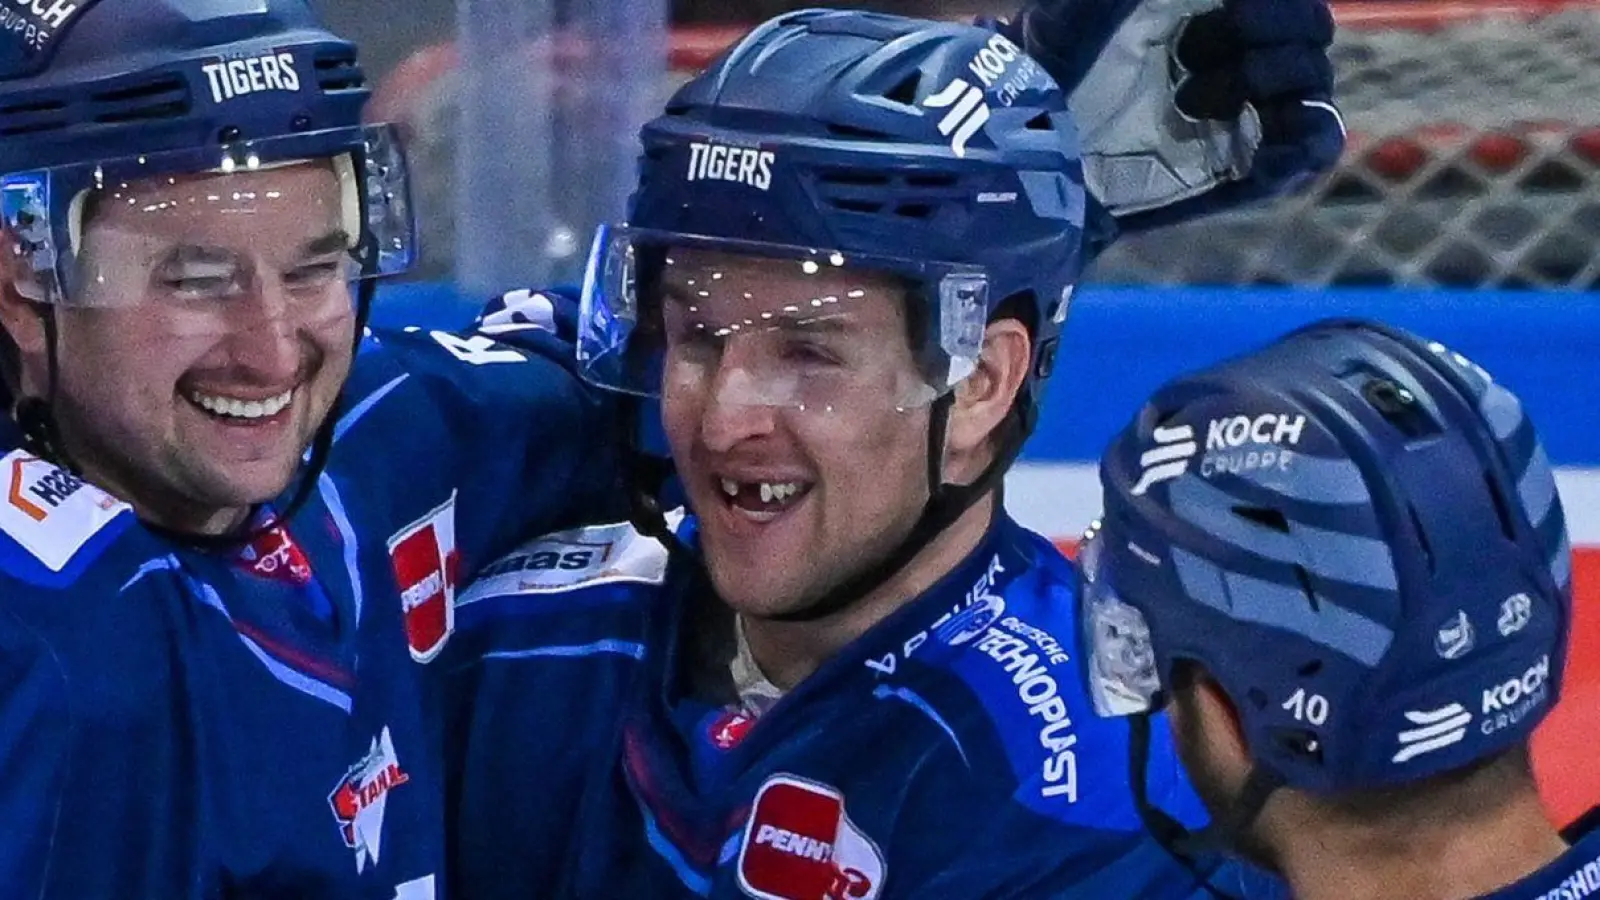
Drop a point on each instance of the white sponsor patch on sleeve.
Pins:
(50, 511)
(567, 560)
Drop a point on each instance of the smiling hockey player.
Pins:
(1355, 646)
(211, 568)
(845, 275)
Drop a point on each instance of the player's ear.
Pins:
(1219, 721)
(983, 401)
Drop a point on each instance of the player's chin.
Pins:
(754, 592)
(244, 483)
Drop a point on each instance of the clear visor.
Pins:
(292, 218)
(1117, 652)
(767, 325)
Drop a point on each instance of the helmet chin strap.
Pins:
(1183, 844)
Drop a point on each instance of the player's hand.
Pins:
(1189, 107)
(1269, 58)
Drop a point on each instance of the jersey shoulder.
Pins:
(1006, 665)
(55, 527)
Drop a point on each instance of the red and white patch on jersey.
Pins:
(728, 730)
(275, 554)
(800, 845)
(362, 795)
(425, 568)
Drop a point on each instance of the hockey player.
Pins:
(1341, 564)
(852, 249)
(208, 644)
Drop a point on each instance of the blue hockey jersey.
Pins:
(949, 752)
(177, 722)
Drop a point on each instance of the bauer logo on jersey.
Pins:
(361, 797)
(750, 166)
(425, 565)
(972, 621)
(231, 79)
(50, 511)
(801, 845)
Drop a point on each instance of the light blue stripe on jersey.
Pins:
(884, 691)
(693, 880)
(626, 648)
(365, 406)
(347, 532)
(305, 684)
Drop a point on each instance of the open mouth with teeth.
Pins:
(235, 411)
(762, 497)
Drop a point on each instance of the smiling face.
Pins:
(208, 334)
(797, 418)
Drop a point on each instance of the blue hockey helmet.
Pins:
(1356, 533)
(830, 167)
(847, 147)
(122, 101)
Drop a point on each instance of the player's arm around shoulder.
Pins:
(549, 641)
(496, 412)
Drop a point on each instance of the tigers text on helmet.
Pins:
(853, 156)
(126, 101)
(938, 153)
(1356, 533)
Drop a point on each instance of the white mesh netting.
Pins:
(1474, 158)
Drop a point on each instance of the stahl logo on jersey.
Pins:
(801, 845)
(741, 165)
(233, 78)
(425, 563)
(361, 796)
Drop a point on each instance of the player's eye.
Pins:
(314, 274)
(810, 353)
